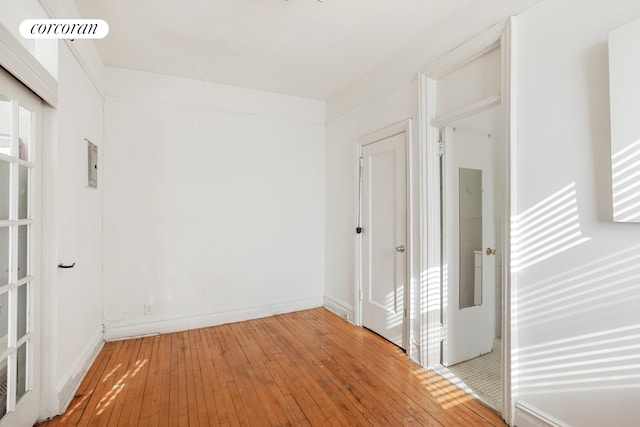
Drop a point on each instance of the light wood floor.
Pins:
(309, 368)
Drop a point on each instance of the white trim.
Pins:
(509, 120)
(50, 404)
(430, 214)
(83, 64)
(466, 110)
(18, 61)
(157, 325)
(339, 308)
(71, 381)
(387, 132)
(529, 416)
(49, 10)
(357, 289)
(398, 128)
(500, 36)
(480, 45)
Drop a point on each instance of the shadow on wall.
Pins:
(547, 229)
(602, 360)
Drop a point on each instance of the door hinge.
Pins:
(442, 332)
(360, 294)
(441, 148)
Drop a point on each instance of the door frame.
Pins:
(501, 36)
(379, 135)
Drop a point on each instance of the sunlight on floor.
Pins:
(444, 390)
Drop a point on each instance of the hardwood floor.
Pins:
(309, 368)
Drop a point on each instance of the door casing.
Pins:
(501, 36)
(403, 127)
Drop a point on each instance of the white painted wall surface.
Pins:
(402, 66)
(474, 82)
(72, 298)
(341, 184)
(213, 203)
(577, 303)
(12, 13)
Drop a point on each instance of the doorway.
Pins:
(20, 115)
(468, 81)
(382, 229)
(471, 194)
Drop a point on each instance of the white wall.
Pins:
(72, 297)
(341, 183)
(578, 321)
(71, 321)
(576, 295)
(13, 13)
(213, 203)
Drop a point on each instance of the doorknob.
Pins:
(491, 251)
(400, 248)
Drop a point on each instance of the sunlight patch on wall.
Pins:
(606, 360)
(603, 283)
(602, 360)
(431, 289)
(547, 229)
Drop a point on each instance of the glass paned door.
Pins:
(19, 343)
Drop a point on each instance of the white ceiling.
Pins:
(298, 47)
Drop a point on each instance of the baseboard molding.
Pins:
(339, 308)
(67, 388)
(114, 331)
(529, 416)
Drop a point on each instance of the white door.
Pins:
(384, 237)
(468, 231)
(20, 113)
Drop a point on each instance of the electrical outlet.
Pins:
(148, 308)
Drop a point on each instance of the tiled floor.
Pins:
(481, 376)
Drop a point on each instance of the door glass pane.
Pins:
(22, 310)
(4, 256)
(6, 120)
(23, 193)
(5, 185)
(3, 388)
(24, 140)
(470, 237)
(22, 371)
(4, 320)
(23, 251)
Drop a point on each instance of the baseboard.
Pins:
(529, 416)
(70, 383)
(339, 308)
(161, 325)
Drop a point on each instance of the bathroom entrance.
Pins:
(471, 227)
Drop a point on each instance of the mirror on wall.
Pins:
(470, 237)
(624, 89)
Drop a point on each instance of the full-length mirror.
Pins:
(470, 237)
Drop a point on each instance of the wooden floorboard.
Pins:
(309, 368)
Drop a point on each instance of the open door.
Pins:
(468, 247)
